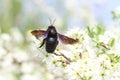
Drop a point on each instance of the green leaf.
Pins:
(112, 42)
(115, 15)
(95, 31)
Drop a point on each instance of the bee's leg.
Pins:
(42, 43)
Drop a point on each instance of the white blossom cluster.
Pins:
(17, 61)
(95, 57)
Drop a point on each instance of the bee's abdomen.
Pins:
(50, 48)
(51, 44)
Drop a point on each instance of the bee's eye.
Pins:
(52, 31)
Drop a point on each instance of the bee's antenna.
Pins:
(52, 22)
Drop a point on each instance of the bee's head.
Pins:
(51, 29)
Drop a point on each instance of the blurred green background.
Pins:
(29, 14)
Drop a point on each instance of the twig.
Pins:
(80, 55)
(68, 59)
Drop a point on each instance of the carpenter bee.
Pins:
(52, 38)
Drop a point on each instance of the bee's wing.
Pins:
(66, 40)
(39, 33)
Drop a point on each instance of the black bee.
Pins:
(51, 38)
